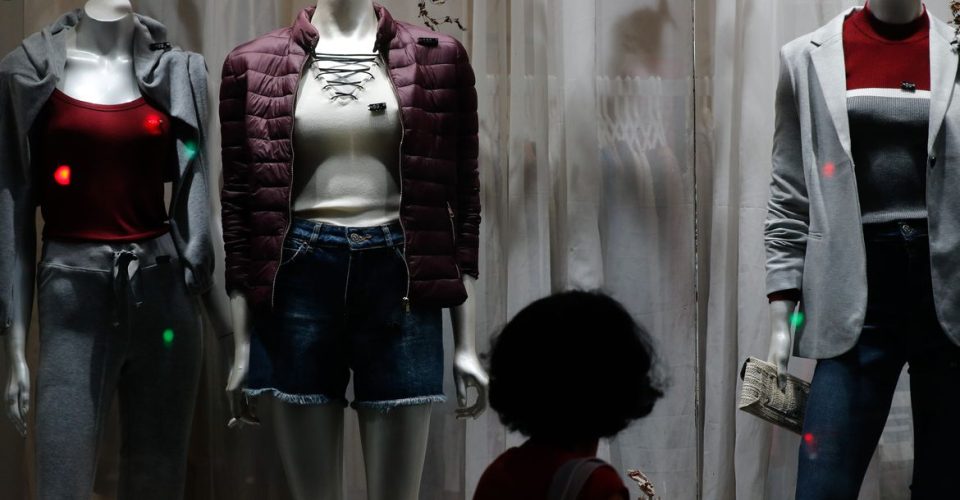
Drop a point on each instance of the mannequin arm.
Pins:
(781, 337)
(241, 408)
(218, 312)
(467, 369)
(18, 377)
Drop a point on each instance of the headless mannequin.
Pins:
(310, 438)
(99, 69)
(781, 338)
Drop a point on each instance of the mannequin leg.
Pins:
(310, 439)
(849, 402)
(936, 436)
(934, 378)
(158, 388)
(850, 395)
(80, 355)
(394, 449)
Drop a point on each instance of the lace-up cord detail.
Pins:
(344, 74)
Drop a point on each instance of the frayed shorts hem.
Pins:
(387, 405)
(319, 399)
(298, 399)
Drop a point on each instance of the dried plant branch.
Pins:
(432, 22)
(645, 485)
(955, 10)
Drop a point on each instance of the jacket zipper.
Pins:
(403, 131)
(453, 234)
(293, 154)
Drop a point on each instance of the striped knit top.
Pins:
(888, 102)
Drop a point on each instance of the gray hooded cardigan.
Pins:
(172, 79)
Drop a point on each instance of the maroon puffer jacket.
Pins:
(440, 187)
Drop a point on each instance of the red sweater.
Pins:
(526, 472)
(878, 55)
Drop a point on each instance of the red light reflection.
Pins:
(154, 125)
(829, 169)
(62, 175)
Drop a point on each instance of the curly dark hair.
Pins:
(572, 366)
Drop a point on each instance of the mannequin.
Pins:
(136, 332)
(860, 235)
(99, 70)
(310, 437)
(781, 311)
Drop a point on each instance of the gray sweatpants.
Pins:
(115, 317)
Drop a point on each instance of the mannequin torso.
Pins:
(99, 66)
(98, 70)
(100, 50)
(782, 331)
(346, 156)
(90, 56)
(310, 438)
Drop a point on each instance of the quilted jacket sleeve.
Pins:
(235, 194)
(785, 233)
(468, 178)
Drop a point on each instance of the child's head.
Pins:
(572, 367)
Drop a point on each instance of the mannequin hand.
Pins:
(242, 409)
(781, 337)
(18, 393)
(467, 372)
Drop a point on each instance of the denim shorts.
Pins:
(338, 306)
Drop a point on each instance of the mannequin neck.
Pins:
(345, 19)
(896, 11)
(102, 32)
(108, 10)
(110, 38)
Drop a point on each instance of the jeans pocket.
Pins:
(292, 248)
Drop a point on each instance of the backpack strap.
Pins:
(572, 476)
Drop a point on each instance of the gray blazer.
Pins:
(813, 232)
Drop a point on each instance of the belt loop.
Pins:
(317, 230)
(386, 235)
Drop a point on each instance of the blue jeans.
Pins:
(851, 394)
(338, 308)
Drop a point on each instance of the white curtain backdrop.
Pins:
(588, 182)
(625, 145)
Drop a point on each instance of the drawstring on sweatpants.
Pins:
(126, 284)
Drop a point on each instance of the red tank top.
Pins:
(101, 169)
